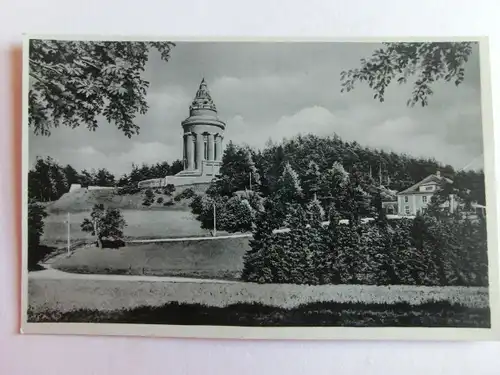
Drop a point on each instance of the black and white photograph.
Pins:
(329, 189)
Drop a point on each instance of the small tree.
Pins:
(238, 170)
(311, 181)
(169, 189)
(315, 211)
(104, 223)
(262, 261)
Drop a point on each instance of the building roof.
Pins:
(433, 178)
(203, 100)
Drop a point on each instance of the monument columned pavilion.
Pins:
(202, 144)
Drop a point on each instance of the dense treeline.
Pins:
(396, 171)
(303, 182)
(424, 251)
(146, 172)
(48, 180)
(322, 167)
(436, 248)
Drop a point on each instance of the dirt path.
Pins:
(53, 274)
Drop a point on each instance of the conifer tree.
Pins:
(315, 211)
(298, 251)
(238, 170)
(288, 193)
(263, 259)
(312, 180)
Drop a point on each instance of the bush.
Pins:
(129, 189)
(168, 203)
(187, 194)
(148, 198)
(160, 200)
(196, 205)
(169, 189)
(36, 215)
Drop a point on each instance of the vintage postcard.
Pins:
(270, 189)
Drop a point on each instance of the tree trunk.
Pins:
(99, 241)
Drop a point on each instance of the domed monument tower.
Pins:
(203, 133)
(203, 136)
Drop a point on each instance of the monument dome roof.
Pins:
(203, 100)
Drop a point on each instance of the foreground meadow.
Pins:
(439, 314)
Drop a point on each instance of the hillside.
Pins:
(83, 200)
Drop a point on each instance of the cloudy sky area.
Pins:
(270, 91)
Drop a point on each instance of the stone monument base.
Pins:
(209, 170)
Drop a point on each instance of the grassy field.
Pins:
(211, 258)
(74, 292)
(437, 314)
(140, 224)
(82, 200)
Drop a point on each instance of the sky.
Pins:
(274, 90)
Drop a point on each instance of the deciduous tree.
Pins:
(72, 83)
(427, 63)
(104, 223)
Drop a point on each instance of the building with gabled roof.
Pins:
(418, 196)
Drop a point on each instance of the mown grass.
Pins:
(436, 314)
(151, 223)
(214, 258)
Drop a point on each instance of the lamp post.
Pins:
(68, 233)
(214, 232)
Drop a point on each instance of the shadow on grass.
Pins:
(438, 314)
(40, 253)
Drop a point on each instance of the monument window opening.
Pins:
(205, 150)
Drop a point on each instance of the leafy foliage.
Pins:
(36, 215)
(428, 62)
(104, 223)
(169, 189)
(72, 83)
(149, 197)
(47, 181)
(237, 172)
(233, 214)
(187, 193)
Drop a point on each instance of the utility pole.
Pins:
(250, 176)
(215, 220)
(69, 241)
(380, 173)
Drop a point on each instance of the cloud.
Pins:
(277, 90)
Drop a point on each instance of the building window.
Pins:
(205, 145)
(407, 210)
(429, 188)
(406, 198)
(424, 198)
